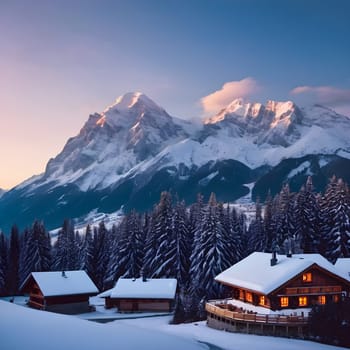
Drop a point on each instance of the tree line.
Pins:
(192, 244)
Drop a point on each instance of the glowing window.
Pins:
(241, 294)
(249, 297)
(284, 301)
(335, 298)
(322, 299)
(307, 277)
(262, 300)
(302, 301)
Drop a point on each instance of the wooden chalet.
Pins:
(141, 295)
(283, 282)
(273, 294)
(65, 292)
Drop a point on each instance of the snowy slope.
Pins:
(69, 332)
(23, 328)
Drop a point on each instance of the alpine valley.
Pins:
(125, 156)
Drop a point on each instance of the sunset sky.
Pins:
(62, 60)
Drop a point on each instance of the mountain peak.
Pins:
(132, 100)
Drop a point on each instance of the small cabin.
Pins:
(141, 295)
(285, 282)
(64, 292)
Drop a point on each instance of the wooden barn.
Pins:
(65, 292)
(280, 282)
(140, 295)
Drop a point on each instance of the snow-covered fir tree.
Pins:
(13, 262)
(65, 250)
(36, 250)
(210, 255)
(256, 234)
(285, 220)
(336, 220)
(3, 264)
(161, 263)
(307, 223)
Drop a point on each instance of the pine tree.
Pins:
(3, 264)
(162, 263)
(336, 225)
(210, 255)
(13, 262)
(269, 223)
(307, 213)
(130, 247)
(182, 247)
(66, 250)
(285, 221)
(37, 251)
(256, 233)
(102, 254)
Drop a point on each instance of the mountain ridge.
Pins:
(135, 147)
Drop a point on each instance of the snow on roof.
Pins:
(157, 288)
(52, 283)
(255, 272)
(343, 266)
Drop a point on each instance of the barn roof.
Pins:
(256, 273)
(55, 283)
(156, 288)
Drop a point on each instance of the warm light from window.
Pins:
(302, 301)
(262, 300)
(335, 298)
(322, 299)
(249, 297)
(241, 294)
(307, 277)
(284, 301)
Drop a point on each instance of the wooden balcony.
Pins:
(222, 310)
(313, 290)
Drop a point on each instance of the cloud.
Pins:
(219, 99)
(327, 95)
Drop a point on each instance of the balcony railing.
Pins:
(222, 310)
(313, 290)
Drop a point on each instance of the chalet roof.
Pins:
(54, 283)
(343, 266)
(157, 288)
(256, 273)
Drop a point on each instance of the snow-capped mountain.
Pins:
(2, 192)
(129, 153)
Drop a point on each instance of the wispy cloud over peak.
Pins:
(327, 95)
(219, 99)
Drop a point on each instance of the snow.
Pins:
(157, 288)
(112, 156)
(53, 283)
(70, 332)
(23, 328)
(301, 168)
(343, 265)
(255, 272)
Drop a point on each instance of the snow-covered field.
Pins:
(22, 328)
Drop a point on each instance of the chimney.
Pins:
(64, 274)
(273, 261)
